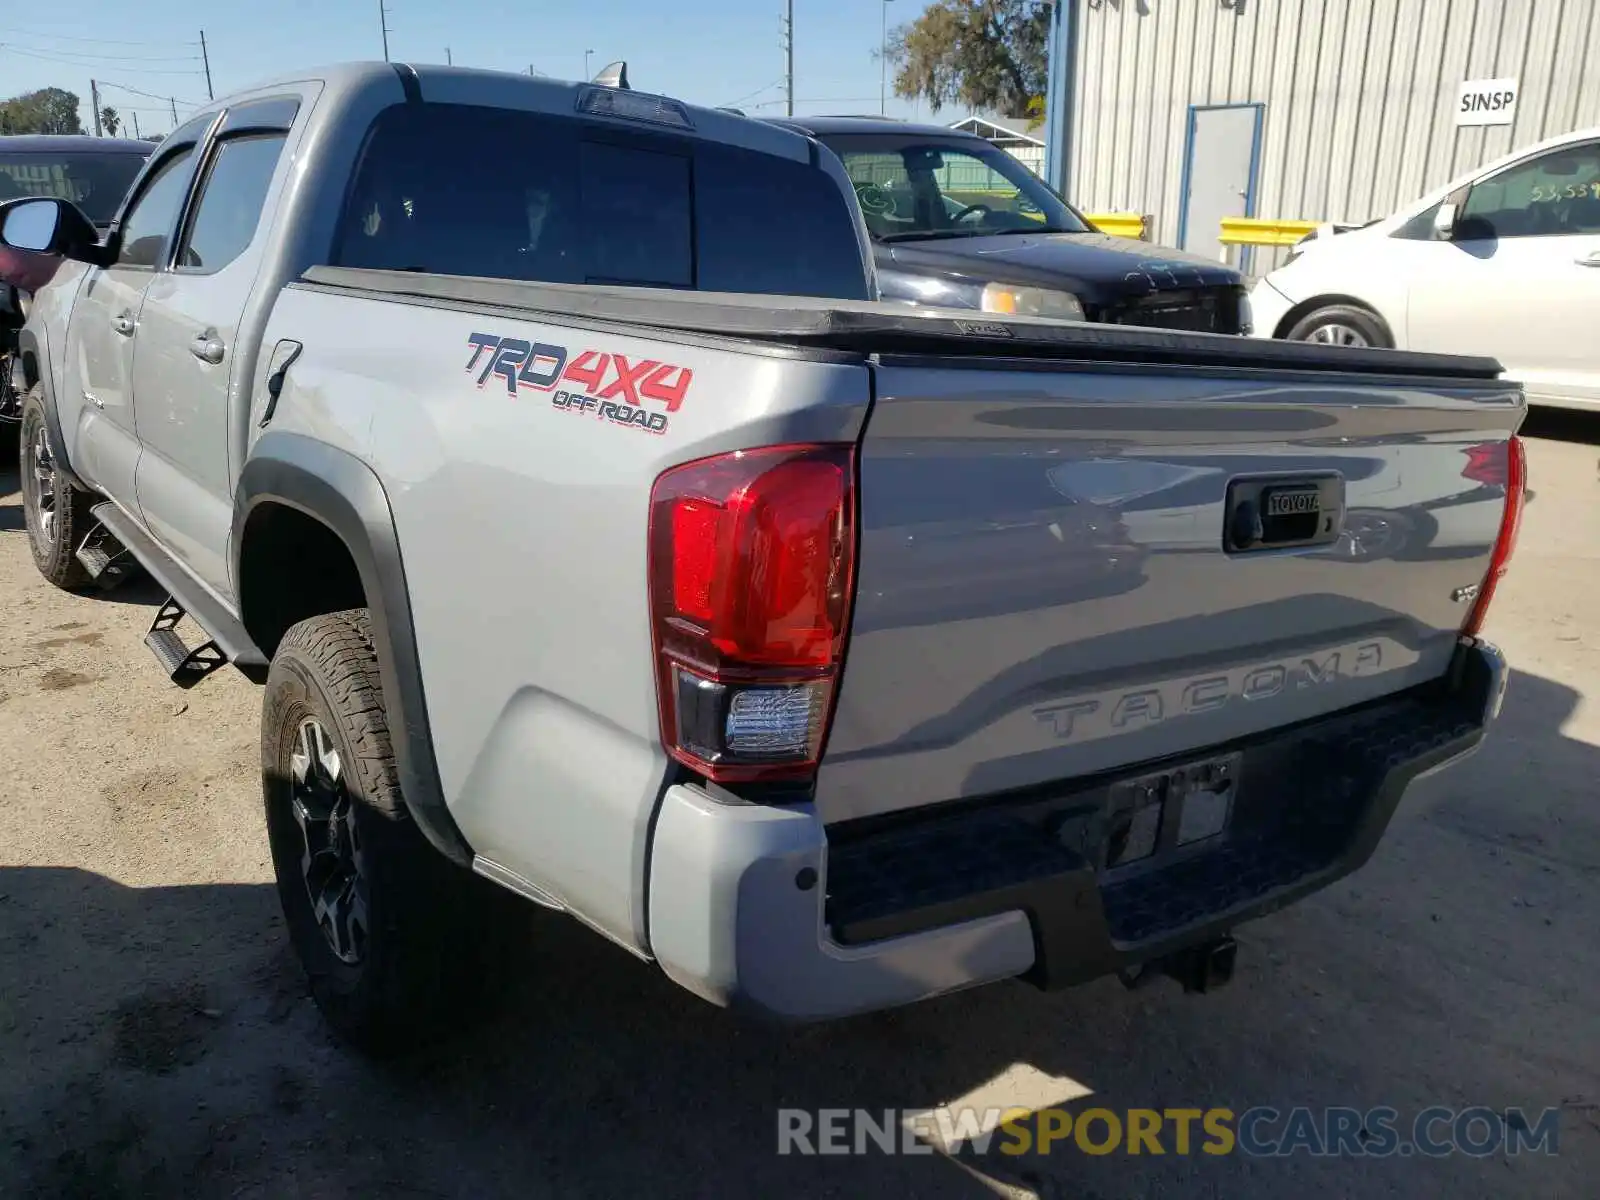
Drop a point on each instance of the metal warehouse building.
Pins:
(1340, 110)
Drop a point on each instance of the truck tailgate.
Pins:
(1048, 587)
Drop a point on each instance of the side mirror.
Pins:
(1444, 220)
(49, 226)
(31, 225)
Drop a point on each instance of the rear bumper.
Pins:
(753, 906)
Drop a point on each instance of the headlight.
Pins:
(1031, 302)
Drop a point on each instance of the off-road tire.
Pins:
(421, 955)
(54, 548)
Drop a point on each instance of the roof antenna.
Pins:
(613, 76)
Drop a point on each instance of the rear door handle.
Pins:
(207, 347)
(123, 324)
(1591, 259)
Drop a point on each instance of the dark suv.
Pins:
(94, 174)
(957, 222)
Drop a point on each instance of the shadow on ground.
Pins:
(158, 1042)
(139, 589)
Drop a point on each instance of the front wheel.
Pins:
(55, 511)
(1342, 325)
(384, 925)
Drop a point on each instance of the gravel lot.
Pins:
(156, 1040)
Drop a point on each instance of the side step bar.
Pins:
(107, 560)
(185, 667)
(228, 640)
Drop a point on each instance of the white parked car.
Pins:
(1504, 261)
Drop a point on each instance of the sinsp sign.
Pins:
(1487, 102)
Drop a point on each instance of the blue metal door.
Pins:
(1222, 153)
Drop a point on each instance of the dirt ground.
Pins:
(155, 1037)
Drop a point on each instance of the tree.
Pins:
(49, 110)
(109, 121)
(985, 54)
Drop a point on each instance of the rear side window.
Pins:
(488, 192)
(231, 200)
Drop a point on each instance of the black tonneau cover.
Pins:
(869, 327)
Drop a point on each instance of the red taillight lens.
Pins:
(752, 559)
(1511, 464)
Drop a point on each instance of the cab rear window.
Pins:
(457, 190)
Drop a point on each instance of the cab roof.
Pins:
(436, 84)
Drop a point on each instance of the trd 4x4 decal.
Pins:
(611, 386)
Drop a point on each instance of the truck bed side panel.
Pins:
(1043, 591)
(522, 525)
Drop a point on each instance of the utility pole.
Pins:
(205, 58)
(173, 101)
(448, 61)
(136, 132)
(587, 55)
(383, 24)
(883, 63)
(94, 102)
(788, 41)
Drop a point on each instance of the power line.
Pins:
(70, 62)
(819, 100)
(98, 57)
(67, 37)
(144, 108)
(148, 95)
(752, 95)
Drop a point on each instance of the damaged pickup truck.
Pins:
(590, 540)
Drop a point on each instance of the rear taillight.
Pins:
(752, 560)
(1499, 461)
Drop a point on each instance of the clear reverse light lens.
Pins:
(776, 722)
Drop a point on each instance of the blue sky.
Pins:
(704, 51)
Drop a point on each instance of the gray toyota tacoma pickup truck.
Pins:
(594, 531)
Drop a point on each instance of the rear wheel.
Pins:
(385, 926)
(56, 512)
(1341, 325)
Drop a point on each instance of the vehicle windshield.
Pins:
(923, 189)
(96, 183)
